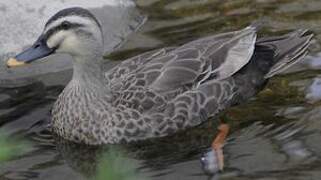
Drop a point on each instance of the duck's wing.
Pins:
(122, 71)
(217, 57)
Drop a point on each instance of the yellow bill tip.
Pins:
(12, 62)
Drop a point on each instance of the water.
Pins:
(275, 135)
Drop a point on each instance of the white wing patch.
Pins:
(239, 52)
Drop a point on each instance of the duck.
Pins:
(161, 91)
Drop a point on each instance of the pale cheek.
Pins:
(52, 42)
(70, 45)
(55, 40)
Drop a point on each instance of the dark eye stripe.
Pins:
(84, 33)
(62, 26)
(75, 11)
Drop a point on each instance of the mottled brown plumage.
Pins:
(166, 90)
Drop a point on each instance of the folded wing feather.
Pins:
(187, 64)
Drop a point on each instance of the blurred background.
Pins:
(275, 136)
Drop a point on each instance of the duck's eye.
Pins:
(65, 25)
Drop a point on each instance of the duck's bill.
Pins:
(36, 51)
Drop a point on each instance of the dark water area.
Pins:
(275, 136)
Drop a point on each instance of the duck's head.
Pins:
(74, 31)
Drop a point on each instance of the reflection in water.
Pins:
(258, 151)
(274, 136)
(313, 92)
(255, 151)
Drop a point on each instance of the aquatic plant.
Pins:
(114, 165)
(11, 147)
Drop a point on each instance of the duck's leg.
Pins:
(218, 143)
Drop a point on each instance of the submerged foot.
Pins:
(218, 144)
(213, 161)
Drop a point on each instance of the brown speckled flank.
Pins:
(162, 91)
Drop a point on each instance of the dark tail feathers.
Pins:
(288, 49)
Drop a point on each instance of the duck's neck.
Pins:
(88, 74)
